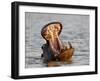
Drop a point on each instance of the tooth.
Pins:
(70, 46)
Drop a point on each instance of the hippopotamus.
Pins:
(54, 49)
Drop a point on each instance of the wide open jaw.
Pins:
(52, 35)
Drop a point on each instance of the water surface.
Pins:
(75, 30)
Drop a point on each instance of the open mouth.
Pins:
(52, 36)
(50, 32)
(55, 44)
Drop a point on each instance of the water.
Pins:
(75, 30)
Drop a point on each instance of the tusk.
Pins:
(70, 46)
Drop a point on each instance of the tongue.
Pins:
(55, 45)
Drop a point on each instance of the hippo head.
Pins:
(50, 33)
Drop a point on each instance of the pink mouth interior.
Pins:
(51, 34)
(55, 44)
